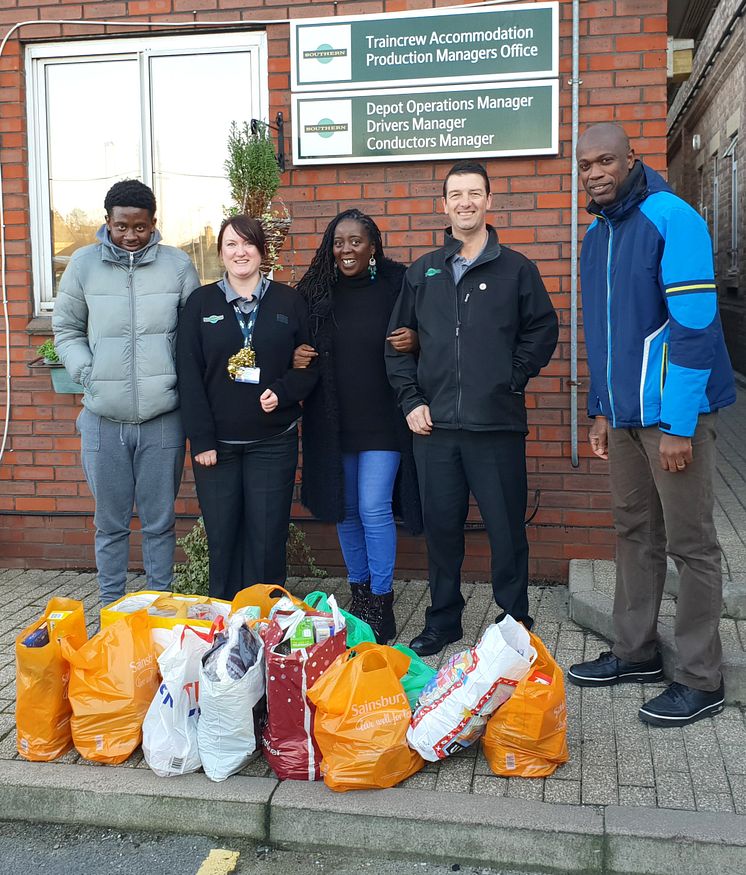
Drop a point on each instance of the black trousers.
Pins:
(492, 465)
(245, 501)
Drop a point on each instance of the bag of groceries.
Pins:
(357, 630)
(361, 720)
(169, 731)
(454, 707)
(113, 678)
(299, 647)
(42, 704)
(527, 736)
(417, 677)
(231, 683)
(168, 613)
(263, 597)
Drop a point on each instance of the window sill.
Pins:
(41, 324)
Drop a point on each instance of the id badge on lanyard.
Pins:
(242, 366)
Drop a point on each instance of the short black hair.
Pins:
(130, 193)
(461, 168)
(248, 229)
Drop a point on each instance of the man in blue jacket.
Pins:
(659, 371)
(486, 326)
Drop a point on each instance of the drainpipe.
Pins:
(575, 82)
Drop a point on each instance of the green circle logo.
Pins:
(325, 47)
(326, 134)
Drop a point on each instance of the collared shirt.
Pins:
(459, 264)
(245, 305)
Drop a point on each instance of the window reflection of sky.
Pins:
(94, 124)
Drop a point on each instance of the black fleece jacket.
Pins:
(480, 341)
(213, 406)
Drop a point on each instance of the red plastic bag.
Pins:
(287, 738)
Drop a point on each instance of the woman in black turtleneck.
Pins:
(357, 448)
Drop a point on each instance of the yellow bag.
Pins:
(176, 605)
(361, 720)
(264, 596)
(527, 736)
(113, 678)
(42, 706)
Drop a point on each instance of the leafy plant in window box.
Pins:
(254, 177)
(62, 382)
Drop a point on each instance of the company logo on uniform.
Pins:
(212, 319)
(326, 128)
(324, 54)
(432, 271)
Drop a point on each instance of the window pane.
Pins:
(194, 100)
(93, 120)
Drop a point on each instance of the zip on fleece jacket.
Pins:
(481, 339)
(656, 351)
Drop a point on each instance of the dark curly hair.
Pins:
(317, 284)
(130, 193)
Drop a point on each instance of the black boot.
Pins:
(380, 616)
(360, 595)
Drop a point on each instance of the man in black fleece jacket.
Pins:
(486, 325)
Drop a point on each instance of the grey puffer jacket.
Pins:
(115, 326)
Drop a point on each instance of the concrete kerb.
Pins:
(496, 831)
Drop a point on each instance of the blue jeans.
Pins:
(367, 535)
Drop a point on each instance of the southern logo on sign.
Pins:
(324, 54)
(326, 128)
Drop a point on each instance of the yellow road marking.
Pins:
(219, 862)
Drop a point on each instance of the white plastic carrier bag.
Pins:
(455, 705)
(231, 683)
(169, 731)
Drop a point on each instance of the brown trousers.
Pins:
(656, 512)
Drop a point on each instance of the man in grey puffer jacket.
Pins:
(115, 330)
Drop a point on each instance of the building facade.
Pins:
(706, 147)
(153, 83)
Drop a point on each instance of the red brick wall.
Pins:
(623, 73)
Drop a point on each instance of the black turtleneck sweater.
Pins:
(367, 407)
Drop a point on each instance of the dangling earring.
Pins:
(336, 272)
(372, 267)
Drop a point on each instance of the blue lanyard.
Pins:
(246, 323)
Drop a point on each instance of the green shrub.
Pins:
(193, 576)
(48, 352)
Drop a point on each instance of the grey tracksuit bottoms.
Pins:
(128, 465)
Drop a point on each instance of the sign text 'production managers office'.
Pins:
(360, 82)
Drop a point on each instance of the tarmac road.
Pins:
(50, 849)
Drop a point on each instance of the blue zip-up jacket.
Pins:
(656, 351)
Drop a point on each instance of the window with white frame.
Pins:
(156, 109)
(731, 152)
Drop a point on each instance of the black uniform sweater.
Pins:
(213, 406)
(367, 405)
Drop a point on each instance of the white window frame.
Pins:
(38, 56)
(715, 206)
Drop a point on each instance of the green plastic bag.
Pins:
(419, 674)
(357, 630)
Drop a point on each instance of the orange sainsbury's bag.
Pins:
(527, 736)
(362, 717)
(113, 678)
(42, 705)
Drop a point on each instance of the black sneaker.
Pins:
(607, 670)
(680, 705)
